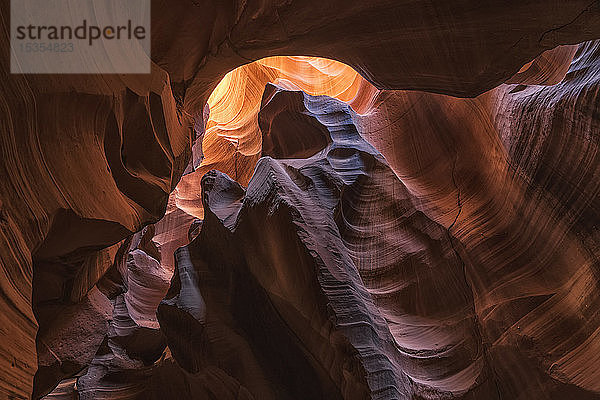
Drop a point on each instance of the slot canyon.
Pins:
(310, 200)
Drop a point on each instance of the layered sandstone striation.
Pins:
(374, 274)
(87, 161)
(494, 170)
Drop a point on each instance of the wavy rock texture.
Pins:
(129, 342)
(556, 149)
(460, 48)
(135, 284)
(494, 170)
(75, 180)
(89, 160)
(548, 69)
(454, 289)
(340, 280)
(229, 139)
(233, 142)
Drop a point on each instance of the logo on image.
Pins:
(80, 36)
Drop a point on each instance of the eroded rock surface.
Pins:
(375, 284)
(89, 160)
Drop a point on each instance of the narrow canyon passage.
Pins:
(302, 200)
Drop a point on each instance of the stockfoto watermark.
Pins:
(80, 36)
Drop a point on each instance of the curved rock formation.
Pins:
(50, 217)
(232, 142)
(395, 45)
(547, 69)
(556, 149)
(89, 160)
(496, 177)
(432, 318)
(135, 283)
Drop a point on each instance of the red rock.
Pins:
(87, 161)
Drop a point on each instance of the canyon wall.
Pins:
(87, 161)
